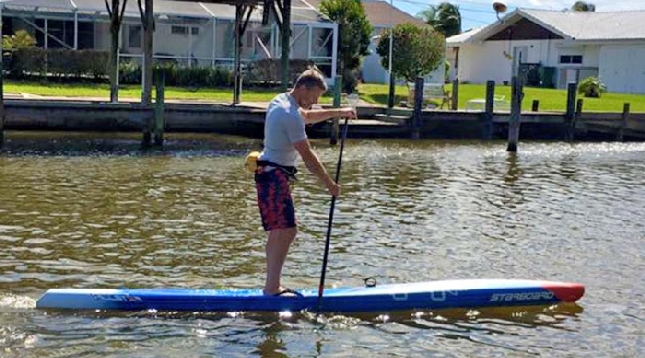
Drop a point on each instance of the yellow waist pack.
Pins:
(251, 162)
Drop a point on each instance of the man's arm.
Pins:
(315, 166)
(312, 116)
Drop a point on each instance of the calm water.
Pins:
(186, 217)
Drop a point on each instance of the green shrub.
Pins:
(592, 87)
(129, 73)
(92, 64)
(269, 71)
(59, 63)
(175, 75)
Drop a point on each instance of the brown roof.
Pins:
(381, 13)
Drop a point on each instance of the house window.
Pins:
(571, 59)
(134, 36)
(183, 30)
(179, 30)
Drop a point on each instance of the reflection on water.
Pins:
(186, 216)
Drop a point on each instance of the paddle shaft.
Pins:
(321, 287)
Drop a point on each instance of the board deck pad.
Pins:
(426, 295)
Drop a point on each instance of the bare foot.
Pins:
(282, 292)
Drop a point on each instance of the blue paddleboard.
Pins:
(429, 295)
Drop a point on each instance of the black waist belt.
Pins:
(289, 170)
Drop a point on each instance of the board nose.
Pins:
(566, 292)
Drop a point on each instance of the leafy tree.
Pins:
(445, 18)
(582, 6)
(20, 39)
(354, 37)
(417, 50)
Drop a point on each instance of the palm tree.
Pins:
(445, 18)
(582, 6)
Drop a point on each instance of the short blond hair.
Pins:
(311, 78)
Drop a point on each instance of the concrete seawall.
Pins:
(248, 120)
(127, 117)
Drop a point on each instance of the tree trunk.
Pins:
(286, 44)
(148, 27)
(115, 25)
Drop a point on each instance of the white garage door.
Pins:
(622, 68)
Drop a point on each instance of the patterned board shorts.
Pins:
(274, 199)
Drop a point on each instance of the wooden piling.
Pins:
(391, 95)
(536, 105)
(489, 107)
(418, 104)
(160, 107)
(623, 123)
(516, 109)
(455, 94)
(571, 125)
(571, 100)
(335, 126)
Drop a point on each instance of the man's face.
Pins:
(310, 97)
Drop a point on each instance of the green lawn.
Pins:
(550, 99)
(133, 91)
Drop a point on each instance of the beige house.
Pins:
(193, 34)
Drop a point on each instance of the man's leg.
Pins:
(277, 247)
(278, 218)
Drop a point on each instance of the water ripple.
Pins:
(409, 212)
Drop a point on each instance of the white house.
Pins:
(562, 47)
(186, 32)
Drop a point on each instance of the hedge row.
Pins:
(93, 65)
(34, 61)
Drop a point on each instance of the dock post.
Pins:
(146, 123)
(536, 105)
(571, 128)
(335, 125)
(391, 95)
(455, 95)
(516, 109)
(488, 113)
(160, 107)
(418, 103)
(571, 100)
(570, 114)
(623, 123)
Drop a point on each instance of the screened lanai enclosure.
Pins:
(186, 33)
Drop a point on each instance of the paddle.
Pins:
(352, 99)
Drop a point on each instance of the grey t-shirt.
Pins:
(283, 126)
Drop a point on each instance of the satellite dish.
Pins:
(499, 7)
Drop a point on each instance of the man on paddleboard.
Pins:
(284, 139)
